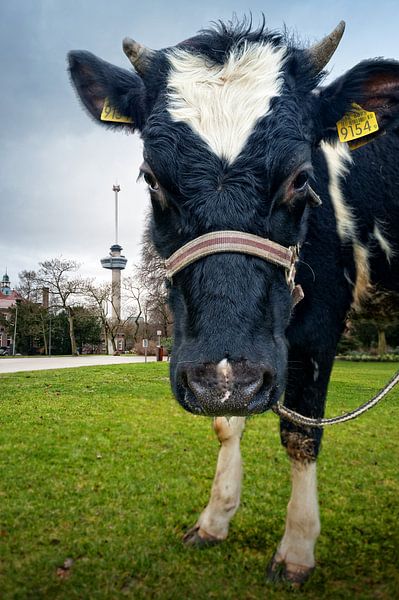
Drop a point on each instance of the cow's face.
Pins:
(227, 149)
(230, 123)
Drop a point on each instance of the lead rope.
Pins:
(294, 417)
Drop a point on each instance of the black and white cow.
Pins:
(237, 134)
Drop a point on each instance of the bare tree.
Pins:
(58, 275)
(151, 275)
(29, 286)
(101, 299)
(98, 297)
(135, 294)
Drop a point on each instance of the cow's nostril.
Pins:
(269, 377)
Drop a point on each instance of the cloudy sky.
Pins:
(57, 167)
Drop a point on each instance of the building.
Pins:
(8, 298)
(116, 262)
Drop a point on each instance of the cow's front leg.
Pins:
(213, 523)
(294, 560)
(306, 392)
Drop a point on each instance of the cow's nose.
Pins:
(231, 388)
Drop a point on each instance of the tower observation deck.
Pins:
(116, 262)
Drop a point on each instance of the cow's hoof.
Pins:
(280, 571)
(199, 538)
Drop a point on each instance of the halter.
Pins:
(241, 243)
(247, 243)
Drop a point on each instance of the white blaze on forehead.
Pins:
(222, 103)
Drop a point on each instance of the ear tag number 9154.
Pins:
(109, 113)
(356, 124)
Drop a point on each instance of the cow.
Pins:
(241, 144)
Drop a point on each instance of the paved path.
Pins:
(13, 365)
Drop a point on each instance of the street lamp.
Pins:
(49, 332)
(17, 303)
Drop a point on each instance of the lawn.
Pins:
(101, 467)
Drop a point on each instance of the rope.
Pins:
(294, 417)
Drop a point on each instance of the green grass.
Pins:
(102, 466)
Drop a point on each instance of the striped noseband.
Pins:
(238, 242)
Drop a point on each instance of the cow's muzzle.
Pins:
(228, 388)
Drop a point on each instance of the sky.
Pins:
(57, 167)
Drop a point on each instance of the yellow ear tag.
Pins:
(109, 113)
(356, 124)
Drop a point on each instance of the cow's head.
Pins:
(231, 120)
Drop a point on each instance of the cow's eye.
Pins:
(301, 181)
(149, 177)
(150, 180)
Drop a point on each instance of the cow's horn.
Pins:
(321, 52)
(138, 54)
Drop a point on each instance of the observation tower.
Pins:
(116, 262)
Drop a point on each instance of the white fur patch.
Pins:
(222, 103)
(226, 487)
(338, 160)
(362, 285)
(224, 374)
(303, 524)
(384, 244)
(223, 368)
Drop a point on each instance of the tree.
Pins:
(31, 327)
(381, 311)
(100, 298)
(151, 275)
(57, 275)
(60, 340)
(135, 293)
(29, 286)
(88, 327)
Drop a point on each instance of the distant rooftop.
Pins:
(8, 299)
(8, 296)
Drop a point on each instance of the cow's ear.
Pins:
(373, 85)
(113, 96)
